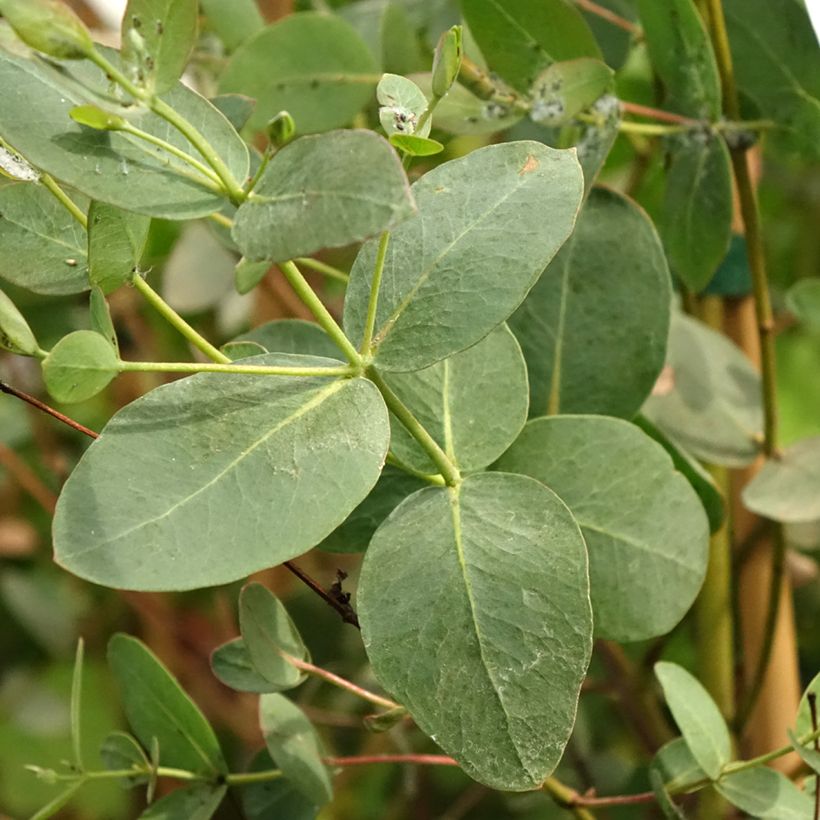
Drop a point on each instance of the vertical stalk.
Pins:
(373, 304)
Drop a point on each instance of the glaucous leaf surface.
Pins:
(247, 275)
(293, 336)
(44, 247)
(15, 333)
(116, 240)
(313, 65)
(275, 799)
(809, 756)
(235, 28)
(354, 535)
(765, 793)
(567, 88)
(644, 526)
(474, 605)
(708, 397)
(268, 631)
(116, 168)
(232, 664)
(486, 226)
(100, 318)
(416, 146)
(787, 488)
(295, 747)
(323, 191)
(701, 724)
(157, 39)
(473, 404)
(198, 802)
(803, 300)
(226, 477)
(674, 762)
(681, 54)
(696, 223)
(519, 38)
(402, 105)
(665, 803)
(593, 329)
(777, 64)
(79, 366)
(157, 707)
(237, 108)
(122, 751)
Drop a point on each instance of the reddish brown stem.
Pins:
(609, 16)
(656, 113)
(27, 479)
(418, 759)
(13, 391)
(344, 609)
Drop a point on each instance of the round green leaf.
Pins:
(295, 747)
(565, 89)
(323, 191)
(698, 718)
(209, 458)
(708, 397)
(292, 336)
(268, 631)
(79, 366)
(247, 275)
(49, 26)
(474, 404)
(122, 751)
(101, 321)
(645, 529)
(198, 802)
(242, 350)
(763, 792)
(674, 762)
(232, 664)
(402, 105)
(275, 799)
(15, 334)
(116, 240)
(474, 605)
(487, 224)
(157, 707)
(593, 329)
(416, 146)
(313, 65)
(803, 300)
(44, 247)
(787, 488)
(113, 167)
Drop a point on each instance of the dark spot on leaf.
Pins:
(314, 84)
(136, 22)
(160, 28)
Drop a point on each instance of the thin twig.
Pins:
(657, 114)
(609, 16)
(812, 699)
(345, 610)
(366, 760)
(27, 479)
(13, 391)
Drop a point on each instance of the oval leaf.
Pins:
(79, 366)
(268, 632)
(594, 328)
(215, 457)
(313, 65)
(157, 707)
(295, 747)
(275, 799)
(402, 104)
(474, 404)
(323, 191)
(647, 533)
(787, 488)
(232, 664)
(708, 397)
(565, 89)
(474, 605)
(15, 333)
(292, 336)
(122, 751)
(459, 267)
(701, 724)
(198, 802)
(44, 247)
(765, 793)
(116, 240)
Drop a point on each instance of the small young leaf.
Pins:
(101, 318)
(765, 793)
(76, 706)
(592, 355)
(803, 300)
(565, 89)
(92, 116)
(237, 108)
(313, 65)
(120, 751)
(44, 247)
(157, 707)
(384, 721)
(787, 488)
(281, 129)
(15, 334)
(697, 716)
(275, 799)
(675, 764)
(157, 39)
(242, 350)
(810, 756)
(416, 146)
(49, 26)
(402, 105)
(519, 38)
(79, 366)
(267, 632)
(295, 747)
(458, 268)
(116, 240)
(708, 396)
(475, 614)
(647, 526)
(232, 664)
(446, 61)
(198, 802)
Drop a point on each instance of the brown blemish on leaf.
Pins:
(529, 166)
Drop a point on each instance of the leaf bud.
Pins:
(48, 26)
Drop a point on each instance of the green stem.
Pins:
(647, 128)
(306, 293)
(446, 467)
(266, 158)
(564, 797)
(246, 369)
(62, 197)
(323, 267)
(162, 109)
(247, 778)
(430, 478)
(373, 303)
(168, 313)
